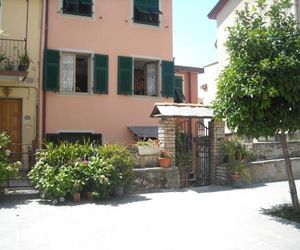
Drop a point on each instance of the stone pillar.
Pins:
(216, 139)
(166, 135)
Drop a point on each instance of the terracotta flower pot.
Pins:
(76, 197)
(89, 196)
(164, 162)
(236, 180)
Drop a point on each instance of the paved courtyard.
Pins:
(197, 218)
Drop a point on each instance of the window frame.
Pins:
(146, 24)
(77, 15)
(89, 73)
(158, 75)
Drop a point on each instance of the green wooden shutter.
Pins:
(124, 75)
(100, 74)
(167, 88)
(178, 91)
(86, 2)
(51, 70)
(72, 2)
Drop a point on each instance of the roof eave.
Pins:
(216, 9)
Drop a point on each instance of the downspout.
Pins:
(26, 34)
(45, 47)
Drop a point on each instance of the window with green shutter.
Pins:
(78, 7)
(178, 90)
(100, 74)
(125, 75)
(167, 88)
(51, 70)
(146, 12)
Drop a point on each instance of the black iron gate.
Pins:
(194, 141)
(202, 154)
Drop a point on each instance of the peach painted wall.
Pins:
(110, 32)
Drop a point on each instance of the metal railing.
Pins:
(10, 49)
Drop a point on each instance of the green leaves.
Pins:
(69, 168)
(258, 92)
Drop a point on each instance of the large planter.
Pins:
(147, 150)
(164, 162)
(76, 197)
(236, 181)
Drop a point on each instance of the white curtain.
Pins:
(151, 73)
(68, 65)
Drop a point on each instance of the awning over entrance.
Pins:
(181, 110)
(144, 131)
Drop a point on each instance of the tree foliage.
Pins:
(258, 92)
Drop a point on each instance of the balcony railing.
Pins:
(10, 52)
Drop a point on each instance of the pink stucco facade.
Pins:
(112, 32)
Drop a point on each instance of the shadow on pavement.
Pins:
(16, 202)
(9, 202)
(276, 218)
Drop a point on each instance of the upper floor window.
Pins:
(78, 7)
(145, 77)
(75, 72)
(141, 77)
(146, 12)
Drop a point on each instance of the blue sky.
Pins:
(194, 34)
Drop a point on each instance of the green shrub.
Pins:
(70, 168)
(8, 170)
(119, 157)
(235, 150)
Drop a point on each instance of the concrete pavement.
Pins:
(197, 218)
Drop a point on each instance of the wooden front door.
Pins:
(10, 121)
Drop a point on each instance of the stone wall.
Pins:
(151, 179)
(167, 135)
(273, 150)
(273, 170)
(216, 139)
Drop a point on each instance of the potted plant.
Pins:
(147, 147)
(164, 158)
(2, 59)
(239, 173)
(24, 61)
(9, 64)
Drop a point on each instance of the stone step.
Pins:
(25, 192)
(23, 182)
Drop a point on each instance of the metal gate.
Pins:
(202, 154)
(193, 138)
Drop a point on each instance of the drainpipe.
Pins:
(45, 47)
(26, 35)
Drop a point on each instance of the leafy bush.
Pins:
(70, 168)
(8, 170)
(119, 157)
(235, 150)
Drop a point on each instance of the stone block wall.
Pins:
(216, 150)
(167, 135)
(151, 179)
(273, 170)
(273, 150)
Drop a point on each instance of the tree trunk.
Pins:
(293, 189)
